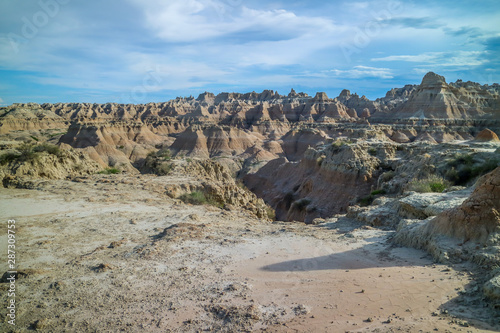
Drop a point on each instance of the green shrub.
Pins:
(430, 184)
(27, 151)
(438, 187)
(34, 138)
(164, 169)
(164, 154)
(461, 159)
(47, 147)
(387, 176)
(194, 198)
(8, 157)
(110, 171)
(463, 169)
(366, 201)
(372, 151)
(156, 162)
(271, 214)
(57, 134)
(378, 192)
(301, 204)
(340, 143)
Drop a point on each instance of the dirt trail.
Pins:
(111, 253)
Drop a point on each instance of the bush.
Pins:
(51, 149)
(366, 201)
(194, 198)
(460, 159)
(271, 214)
(164, 154)
(340, 143)
(430, 184)
(110, 171)
(164, 169)
(372, 151)
(378, 192)
(437, 187)
(27, 151)
(464, 168)
(155, 162)
(387, 176)
(301, 204)
(8, 157)
(200, 198)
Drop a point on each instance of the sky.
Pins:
(140, 51)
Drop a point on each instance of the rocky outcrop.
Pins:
(469, 231)
(487, 135)
(324, 182)
(219, 186)
(435, 99)
(32, 163)
(477, 219)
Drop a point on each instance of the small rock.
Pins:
(492, 288)
(102, 268)
(195, 217)
(301, 309)
(41, 324)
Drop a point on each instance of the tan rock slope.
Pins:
(43, 161)
(487, 135)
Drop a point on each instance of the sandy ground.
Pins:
(114, 253)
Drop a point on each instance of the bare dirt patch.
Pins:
(120, 255)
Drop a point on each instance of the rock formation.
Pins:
(257, 134)
(477, 219)
(469, 231)
(487, 135)
(26, 161)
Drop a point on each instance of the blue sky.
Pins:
(139, 51)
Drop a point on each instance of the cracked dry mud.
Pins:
(114, 253)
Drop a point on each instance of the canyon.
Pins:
(417, 170)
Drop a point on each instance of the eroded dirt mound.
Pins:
(44, 161)
(487, 135)
(216, 186)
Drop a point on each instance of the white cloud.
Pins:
(198, 20)
(363, 71)
(444, 59)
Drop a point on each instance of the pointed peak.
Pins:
(432, 79)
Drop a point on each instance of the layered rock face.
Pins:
(285, 144)
(323, 183)
(435, 99)
(215, 181)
